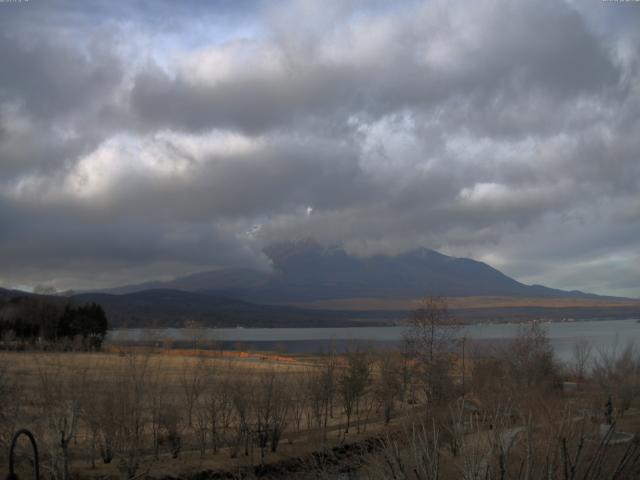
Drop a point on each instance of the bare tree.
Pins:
(299, 398)
(172, 425)
(269, 410)
(129, 388)
(415, 455)
(156, 393)
(429, 340)
(220, 396)
(90, 394)
(530, 357)
(192, 384)
(490, 382)
(618, 373)
(322, 387)
(105, 406)
(201, 422)
(582, 351)
(388, 385)
(241, 400)
(59, 406)
(11, 402)
(353, 382)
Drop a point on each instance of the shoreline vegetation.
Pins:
(177, 309)
(434, 407)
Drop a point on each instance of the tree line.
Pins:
(30, 320)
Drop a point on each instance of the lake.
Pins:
(603, 335)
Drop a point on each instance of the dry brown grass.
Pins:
(364, 304)
(268, 359)
(25, 368)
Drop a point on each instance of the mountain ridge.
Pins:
(307, 271)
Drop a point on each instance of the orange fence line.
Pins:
(187, 352)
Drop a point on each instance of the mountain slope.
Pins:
(306, 271)
(229, 279)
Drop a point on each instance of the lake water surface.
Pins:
(603, 335)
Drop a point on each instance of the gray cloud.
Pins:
(499, 57)
(133, 146)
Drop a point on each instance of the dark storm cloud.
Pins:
(75, 245)
(521, 51)
(273, 175)
(141, 140)
(51, 80)
(56, 100)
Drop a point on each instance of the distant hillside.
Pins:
(7, 294)
(311, 285)
(175, 308)
(306, 271)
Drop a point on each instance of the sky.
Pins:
(147, 139)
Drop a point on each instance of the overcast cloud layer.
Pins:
(143, 140)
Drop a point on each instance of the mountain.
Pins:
(313, 285)
(5, 293)
(305, 271)
(215, 280)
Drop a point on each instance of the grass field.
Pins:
(179, 412)
(46, 385)
(368, 304)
